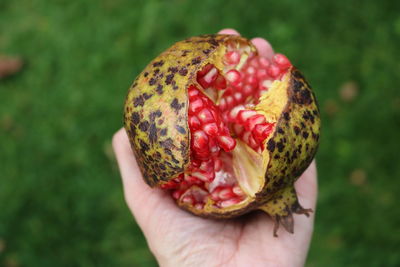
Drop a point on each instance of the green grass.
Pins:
(61, 202)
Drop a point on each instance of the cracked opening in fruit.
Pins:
(231, 117)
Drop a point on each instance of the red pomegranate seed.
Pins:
(238, 129)
(220, 82)
(177, 194)
(205, 177)
(237, 190)
(211, 75)
(250, 70)
(222, 104)
(225, 116)
(243, 115)
(203, 155)
(248, 89)
(282, 61)
(206, 80)
(253, 121)
(215, 193)
(188, 200)
(254, 62)
(234, 112)
(234, 77)
(264, 62)
(170, 185)
(214, 147)
(261, 131)
(192, 91)
(226, 193)
(205, 70)
(199, 206)
(196, 105)
(224, 130)
(262, 74)
(205, 116)
(217, 165)
(238, 97)
(207, 166)
(246, 137)
(274, 71)
(227, 143)
(200, 141)
(192, 180)
(211, 129)
(194, 122)
(251, 80)
(232, 57)
(230, 101)
(252, 143)
(230, 202)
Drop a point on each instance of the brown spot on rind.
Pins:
(301, 94)
(271, 145)
(163, 132)
(280, 146)
(146, 96)
(159, 89)
(152, 81)
(184, 53)
(173, 69)
(296, 130)
(135, 118)
(180, 129)
(286, 116)
(183, 71)
(196, 61)
(155, 115)
(139, 101)
(144, 126)
(168, 143)
(152, 133)
(213, 41)
(143, 145)
(175, 105)
(169, 78)
(158, 63)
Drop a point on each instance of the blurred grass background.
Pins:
(61, 202)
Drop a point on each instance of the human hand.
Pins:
(178, 238)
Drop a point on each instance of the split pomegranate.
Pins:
(222, 129)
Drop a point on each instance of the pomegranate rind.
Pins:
(295, 141)
(156, 107)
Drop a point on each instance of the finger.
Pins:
(229, 31)
(263, 46)
(141, 199)
(307, 187)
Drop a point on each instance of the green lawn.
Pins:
(61, 202)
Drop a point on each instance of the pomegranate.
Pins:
(222, 129)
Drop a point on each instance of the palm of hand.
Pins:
(178, 238)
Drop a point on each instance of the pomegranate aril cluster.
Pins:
(208, 131)
(225, 196)
(211, 126)
(252, 80)
(251, 127)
